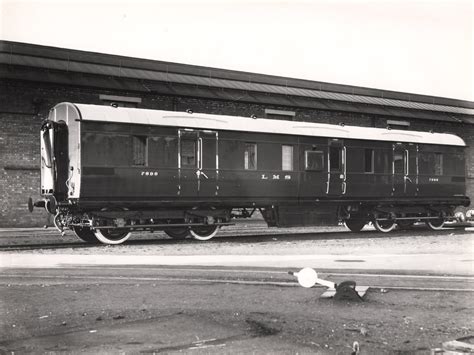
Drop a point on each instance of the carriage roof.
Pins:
(257, 125)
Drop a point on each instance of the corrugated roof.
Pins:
(19, 54)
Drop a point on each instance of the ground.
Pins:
(232, 308)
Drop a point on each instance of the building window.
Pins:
(250, 156)
(368, 160)
(188, 153)
(314, 160)
(279, 114)
(287, 157)
(139, 150)
(120, 101)
(398, 124)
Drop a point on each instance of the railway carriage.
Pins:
(107, 171)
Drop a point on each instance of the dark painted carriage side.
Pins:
(143, 169)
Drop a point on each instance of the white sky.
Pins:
(415, 46)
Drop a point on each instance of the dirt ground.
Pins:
(135, 317)
(118, 310)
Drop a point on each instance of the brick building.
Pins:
(34, 78)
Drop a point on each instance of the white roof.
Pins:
(260, 125)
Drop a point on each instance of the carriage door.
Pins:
(197, 163)
(188, 162)
(336, 184)
(208, 167)
(404, 169)
(54, 159)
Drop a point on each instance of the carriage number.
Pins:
(149, 173)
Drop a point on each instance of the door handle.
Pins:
(199, 173)
(408, 179)
(200, 153)
(344, 161)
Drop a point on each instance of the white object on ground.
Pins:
(308, 277)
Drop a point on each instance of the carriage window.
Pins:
(383, 158)
(46, 149)
(107, 150)
(431, 163)
(250, 156)
(457, 164)
(314, 160)
(188, 153)
(398, 166)
(369, 160)
(139, 150)
(438, 164)
(163, 152)
(335, 158)
(287, 157)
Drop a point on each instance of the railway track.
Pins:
(378, 282)
(25, 241)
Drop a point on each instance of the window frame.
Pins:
(441, 164)
(142, 139)
(428, 163)
(167, 157)
(306, 155)
(292, 164)
(372, 161)
(188, 166)
(401, 157)
(110, 156)
(340, 162)
(247, 158)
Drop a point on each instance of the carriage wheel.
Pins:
(85, 234)
(177, 232)
(384, 226)
(405, 224)
(355, 225)
(435, 224)
(203, 232)
(112, 236)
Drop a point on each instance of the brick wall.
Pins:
(24, 105)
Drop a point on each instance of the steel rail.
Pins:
(226, 235)
(127, 279)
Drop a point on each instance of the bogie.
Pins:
(384, 225)
(112, 236)
(355, 225)
(203, 232)
(435, 224)
(405, 224)
(177, 232)
(85, 234)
